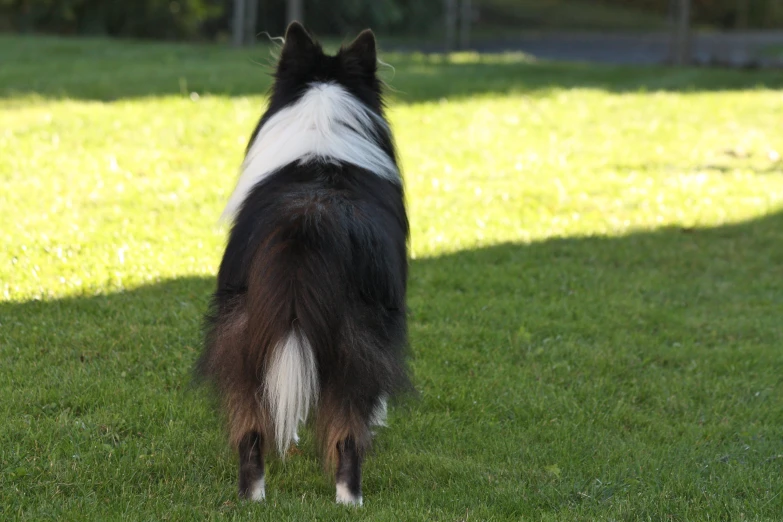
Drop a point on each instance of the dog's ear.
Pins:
(363, 51)
(298, 43)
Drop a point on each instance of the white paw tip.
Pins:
(344, 496)
(258, 492)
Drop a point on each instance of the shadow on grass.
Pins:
(689, 271)
(654, 336)
(712, 286)
(103, 70)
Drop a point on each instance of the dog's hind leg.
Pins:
(247, 434)
(344, 436)
(348, 477)
(349, 473)
(251, 466)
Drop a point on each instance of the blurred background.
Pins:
(743, 33)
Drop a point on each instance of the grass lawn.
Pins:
(596, 293)
(773, 51)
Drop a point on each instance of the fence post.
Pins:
(681, 37)
(251, 20)
(295, 11)
(238, 29)
(237, 24)
(466, 15)
(450, 9)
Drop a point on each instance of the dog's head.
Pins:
(303, 63)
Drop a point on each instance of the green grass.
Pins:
(773, 51)
(596, 289)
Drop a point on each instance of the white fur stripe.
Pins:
(291, 387)
(327, 123)
(379, 413)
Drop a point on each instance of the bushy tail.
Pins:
(294, 292)
(291, 386)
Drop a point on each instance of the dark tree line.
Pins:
(212, 19)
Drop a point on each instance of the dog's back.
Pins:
(310, 305)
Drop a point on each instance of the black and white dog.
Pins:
(309, 311)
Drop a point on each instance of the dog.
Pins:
(309, 311)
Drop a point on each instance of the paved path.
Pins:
(736, 49)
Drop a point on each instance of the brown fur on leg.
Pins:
(228, 361)
(245, 414)
(336, 422)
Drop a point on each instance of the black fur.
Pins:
(349, 467)
(251, 462)
(321, 248)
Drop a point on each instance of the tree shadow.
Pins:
(677, 322)
(105, 70)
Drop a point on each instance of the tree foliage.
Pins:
(138, 18)
(178, 19)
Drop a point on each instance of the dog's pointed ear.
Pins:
(298, 43)
(363, 51)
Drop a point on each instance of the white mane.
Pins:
(327, 123)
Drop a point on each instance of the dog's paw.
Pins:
(344, 496)
(257, 492)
